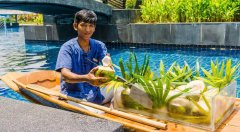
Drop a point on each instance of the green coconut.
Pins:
(104, 71)
(195, 111)
(179, 106)
(193, 96)
(128, 102)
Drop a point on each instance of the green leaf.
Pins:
(208, 75)
(110, 86)
(199, 107)
(213, 68)
(221, 70)
(166, 92)
(180, 76)
(171, 67)
(228, 69)
(197, 69)
(122, 68)
(160, 90)
(145, 67)
(144, 62)
(177, 95)
(207, 81)
(206, 102)
(161, 69)
(136, 69)
(129, 65)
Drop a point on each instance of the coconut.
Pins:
(179, 106)
(118, 98)
(195, 110)
(107, 61)
(104, 71)
(123, 100)
(196, 85)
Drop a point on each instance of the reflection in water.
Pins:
(16, 55)
(28, 57)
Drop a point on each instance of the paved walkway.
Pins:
(21, 116)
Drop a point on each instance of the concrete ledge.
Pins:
(21, 116)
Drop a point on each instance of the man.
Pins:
(78, 58)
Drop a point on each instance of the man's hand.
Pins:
(96, 81)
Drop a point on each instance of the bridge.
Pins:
(56, 7)
(58, 16)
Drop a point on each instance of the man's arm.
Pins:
(71, 77)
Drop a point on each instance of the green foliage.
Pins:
(129, 69)
(134, 68)
(190, 10)
(177, 75)
(220, 75)
(157, 91)
(160, 89)
(30, 19)
(130, 4)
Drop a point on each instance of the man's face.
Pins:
(85, 30)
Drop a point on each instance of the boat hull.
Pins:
(40, 99)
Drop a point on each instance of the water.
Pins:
(18, 55)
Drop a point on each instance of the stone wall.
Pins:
(220, 34)
(49, 32)
(124, 26)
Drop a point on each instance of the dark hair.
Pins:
(86, 16)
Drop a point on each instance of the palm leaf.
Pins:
(161, 69)
(160, 90)
(144, 62)
(197, 69)
(207, 81)
(136, 69)
(145, 67)
(167, 90)
(122, 68)
(221, 70)
(110, 86)
(228, 69)
(129, 65)
(199, 107)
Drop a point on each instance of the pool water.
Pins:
(30, 56)
(9, 93)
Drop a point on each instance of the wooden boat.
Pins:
(44, 87)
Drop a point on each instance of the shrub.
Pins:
(190, 10)
(130, 4)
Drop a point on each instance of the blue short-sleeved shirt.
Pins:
(72, 57)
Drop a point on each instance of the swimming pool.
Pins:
(30, 56)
